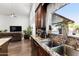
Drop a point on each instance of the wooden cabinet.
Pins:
(40, 16)
(4, 49)
(34, 48)
(4, 46)
(37, 50)
(42, 52)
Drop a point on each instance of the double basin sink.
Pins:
(62, 50)
(57, 48)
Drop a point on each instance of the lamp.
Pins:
(12, 15)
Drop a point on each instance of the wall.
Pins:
(56, 19)
(32, 18)
(7, 21)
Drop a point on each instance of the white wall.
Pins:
(7, 21)
(32, 18)
(56, 19)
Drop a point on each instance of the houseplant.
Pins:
(75, 28)
(27, 32)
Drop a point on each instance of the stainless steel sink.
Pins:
(59, 49)
(65, 50)
(48, 42)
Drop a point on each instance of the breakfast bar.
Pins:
(4, 46)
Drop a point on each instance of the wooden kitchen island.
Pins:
(4, 46)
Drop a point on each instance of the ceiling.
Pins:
(22, 9)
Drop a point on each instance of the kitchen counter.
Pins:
(46, 48)
(4, 46)
(53, 51)
(74, 36)
(4, 40)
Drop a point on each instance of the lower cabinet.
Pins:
(42, 52)
(37, 50)
(34, 48)
(4, 49)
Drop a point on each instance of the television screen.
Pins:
(15, 28)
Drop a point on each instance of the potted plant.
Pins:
(75, 27)
(27, 33)
(5, 30)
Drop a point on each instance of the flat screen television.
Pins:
(15, 28)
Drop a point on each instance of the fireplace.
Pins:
(15, 28)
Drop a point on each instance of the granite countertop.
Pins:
(4, 40)
(45, 47)
(73, 36)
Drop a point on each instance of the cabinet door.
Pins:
(4, 49)
(34, 48)
(37, 50)
(42, 52)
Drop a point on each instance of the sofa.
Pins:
(16, 36)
